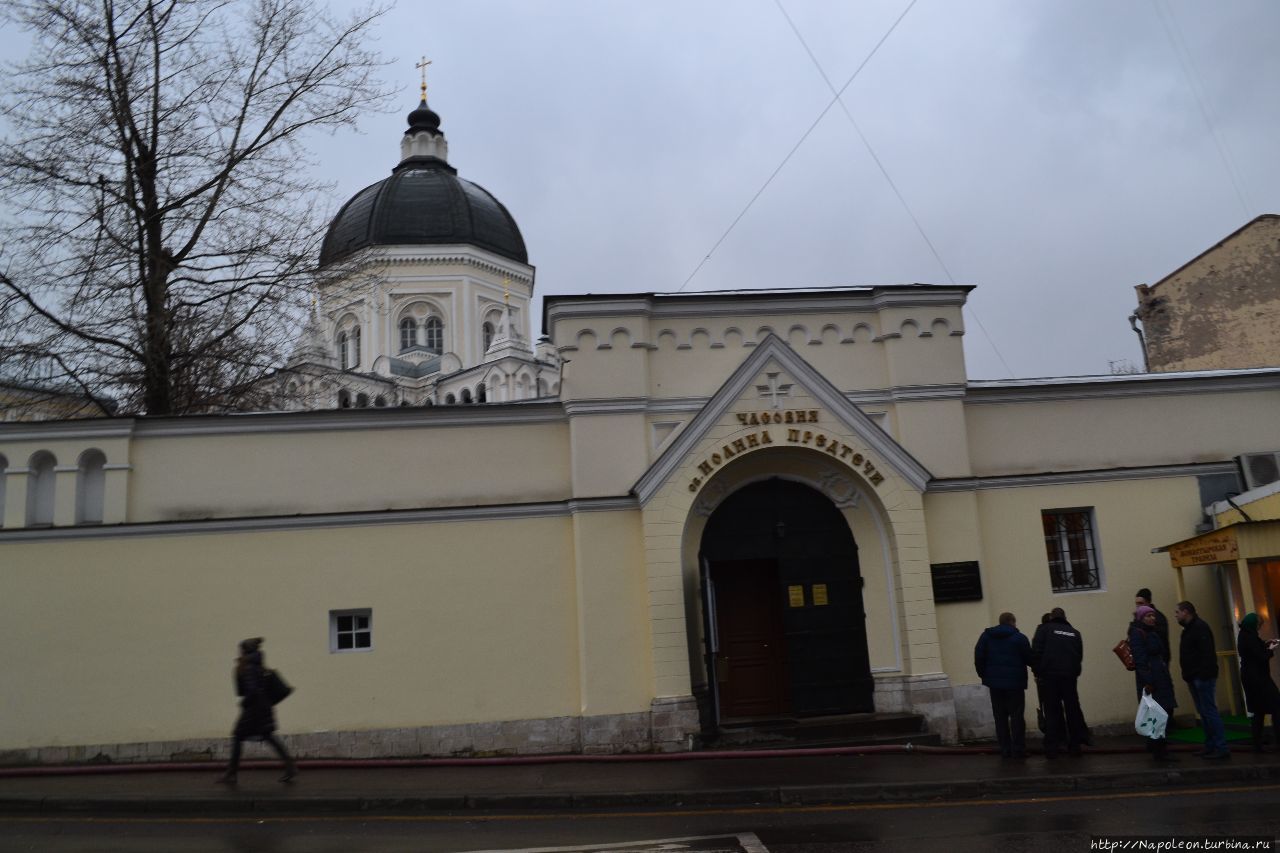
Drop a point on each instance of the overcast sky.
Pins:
(1054, 153)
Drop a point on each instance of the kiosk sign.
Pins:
(1218, 546)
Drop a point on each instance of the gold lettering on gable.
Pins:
(830, 445)
(789, 416)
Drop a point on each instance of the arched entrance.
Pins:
(782, 604)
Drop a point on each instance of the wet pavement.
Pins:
(631, 782)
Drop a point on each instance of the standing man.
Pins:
(1142, 598)
(1057, 658)
(1001, 658)
(1199, 661)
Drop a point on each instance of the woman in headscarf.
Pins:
(257, 715)
(1260, 692)
(1152, 671)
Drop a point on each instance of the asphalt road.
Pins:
(1032, 824)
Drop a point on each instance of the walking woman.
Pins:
(1151, 671)
(1260, 692)
(257, 716)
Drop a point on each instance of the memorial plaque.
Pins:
(956, 582)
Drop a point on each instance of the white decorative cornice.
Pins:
(754, 302)
(773, 350)
(459, 253)
(323, 521)
(1067, 478)
(476, 415)
(612, 406)
(684, 405)
(675, 405)
(915, 393)
(105, 428)
(616, 504)
(1133, 385)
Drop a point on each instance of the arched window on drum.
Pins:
(434, 328)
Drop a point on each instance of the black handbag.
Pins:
(275, 688)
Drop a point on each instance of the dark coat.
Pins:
(257, 716)
(1057, 650)
(1196, 653)
(1162, 628)
(1149, 664)
(1260, 692)
(1001, 658)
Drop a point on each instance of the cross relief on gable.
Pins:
(774, 389)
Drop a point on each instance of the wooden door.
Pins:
(750, 663)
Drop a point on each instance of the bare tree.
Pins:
(161, 217)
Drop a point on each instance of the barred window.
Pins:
(1072, 548)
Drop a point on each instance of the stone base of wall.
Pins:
(974, 720)
(670, 725)
(929, 695)
(676, 723)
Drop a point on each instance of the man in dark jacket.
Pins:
(1142, 598)
(1001, 658)
(1199, 661)
(1057, 658)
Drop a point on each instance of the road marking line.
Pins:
(748, 842)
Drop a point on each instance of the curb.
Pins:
(901, 792)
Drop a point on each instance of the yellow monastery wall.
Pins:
(353, 464)
(1001, 528)
(472, 622)
(1117, 432)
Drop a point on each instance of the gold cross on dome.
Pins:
(423, 67)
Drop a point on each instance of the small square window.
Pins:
(351, 630)
(1071, 544)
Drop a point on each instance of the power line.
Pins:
(885, 172)
(1195, 82)
(795, 148)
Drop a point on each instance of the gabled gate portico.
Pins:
(821, 440)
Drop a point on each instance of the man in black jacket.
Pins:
(1057, 657)
(1199, 661)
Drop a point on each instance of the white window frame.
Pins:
(433, 334)
(355, 613)
(408, 333)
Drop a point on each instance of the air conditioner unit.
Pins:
(1259, 469)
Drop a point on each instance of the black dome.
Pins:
(423, 203)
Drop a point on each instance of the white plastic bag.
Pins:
(1151, 719)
